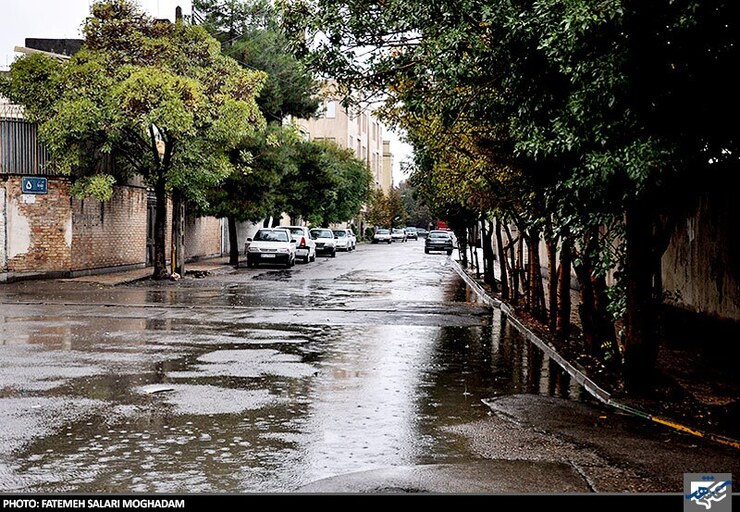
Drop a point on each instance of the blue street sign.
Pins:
(34, 185)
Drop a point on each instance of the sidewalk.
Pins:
(197, 268)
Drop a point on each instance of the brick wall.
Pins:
(109, 234)
(38, 228)
(202, 237)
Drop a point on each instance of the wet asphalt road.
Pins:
(374, 371)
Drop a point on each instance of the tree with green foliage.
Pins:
(250, 32)
(378, 212)
(417, 212)
(328, 184)
(155, 98)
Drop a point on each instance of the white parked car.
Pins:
(305, 245)
(352, 237)
(398, 235)
(271, 245)
(325, 241)
(382, 235)
(343, 240)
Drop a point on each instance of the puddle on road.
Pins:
(258, 409)
(247, 363)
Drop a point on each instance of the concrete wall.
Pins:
(202, 237)
(701, 268)
(245, 230)
(3, 236)
(109, 234)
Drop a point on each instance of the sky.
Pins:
(59, 19)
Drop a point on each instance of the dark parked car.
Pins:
(438, 240)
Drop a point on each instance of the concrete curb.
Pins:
(579, 376)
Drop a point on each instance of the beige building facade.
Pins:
(359, 131)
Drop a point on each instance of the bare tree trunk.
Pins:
(178, 233)
(536, 289)
(641, 338)
(160, 230)
(586, 307)
(513, 267)
(552, 283)
(562, 323)
(462, 242)
(521, 270)
(502, 262)
(473, 250)
(233, 242)
(489, 276)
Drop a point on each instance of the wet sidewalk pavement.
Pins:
(697, 390)
(199, 268)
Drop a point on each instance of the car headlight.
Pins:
(252, 249)
(283, 250)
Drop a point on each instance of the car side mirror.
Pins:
(249, 239)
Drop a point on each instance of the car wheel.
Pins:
(449, 253)
(334, 253)
(426, 250)
(389, 241)
(313, 258)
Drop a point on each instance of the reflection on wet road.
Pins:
(252, 380)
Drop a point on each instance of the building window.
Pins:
(330, 111)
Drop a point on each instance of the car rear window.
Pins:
(438, 235)
(271, 236)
